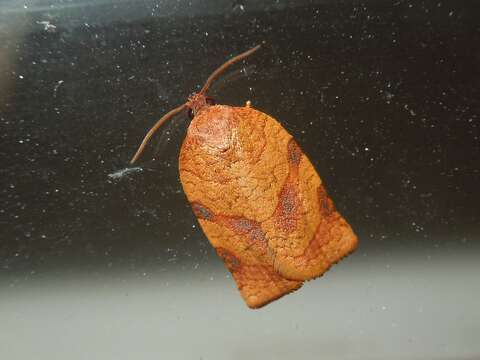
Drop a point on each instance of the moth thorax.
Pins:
(214, 128)
(197, 102)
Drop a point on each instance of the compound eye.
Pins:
(210, 101)
(190, 114)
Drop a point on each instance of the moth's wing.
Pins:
(223, 199)
(305, 232)
(260, 202)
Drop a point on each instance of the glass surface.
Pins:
(99, 260)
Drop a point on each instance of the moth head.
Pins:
(195, 102)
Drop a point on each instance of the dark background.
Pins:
(384, 98)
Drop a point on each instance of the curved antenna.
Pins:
(227, 64)
(155, 128)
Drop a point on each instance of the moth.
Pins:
(257, 197)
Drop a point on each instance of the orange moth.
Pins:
(257, 197)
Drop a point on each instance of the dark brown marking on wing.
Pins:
(286, 213)
(288, 200)
(202, 212)
(231, 261)
(250, 229)
(325, 203)
(294, 153)
(242, 226)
